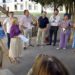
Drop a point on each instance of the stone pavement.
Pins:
(66, 56)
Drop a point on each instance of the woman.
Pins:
(45, 65)
(65, 31)
(15, 45)
(73, 44)
(2, 36)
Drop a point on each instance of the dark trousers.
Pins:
(8, 42)
(53, 31)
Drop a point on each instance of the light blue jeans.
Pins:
(73, 44)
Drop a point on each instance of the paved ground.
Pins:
(66, 56)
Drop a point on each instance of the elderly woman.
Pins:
(16, 43)
(45, 65)
(65, 31)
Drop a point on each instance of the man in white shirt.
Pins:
(54, 25)
(7, 26)
(26, 25)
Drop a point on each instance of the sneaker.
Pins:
(58, 48)
(31, 45)
(48, 44)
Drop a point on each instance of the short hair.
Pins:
(15, 20)
(25, 11)
(11, 12)
(56, 10)
(44, 12)
(68, 15)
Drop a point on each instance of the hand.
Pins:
(45, 29)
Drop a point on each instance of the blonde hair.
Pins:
(45, 65)
(15, 20)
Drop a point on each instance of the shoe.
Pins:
(54, 45)
(31, 45)
(64, 48)
(48, 44)
(25, 48)
(58, 48)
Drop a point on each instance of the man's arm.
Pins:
(47, 24)
(4, 25)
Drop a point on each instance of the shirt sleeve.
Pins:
(5, 21)
(70, 23)
(21, 21)
(47, 21)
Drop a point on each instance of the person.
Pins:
(54, 26)
(7, 26)
(65, 27)
(46, 65)
(2, 33)
(73, 41)
(26, 26)
(3, 48)
(42, 27)
(16, 43)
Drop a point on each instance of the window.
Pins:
(15, 7)
(4, 1)
(30, 7)
(21, 0)
(15, 0)
(21, 7)
(35, 7)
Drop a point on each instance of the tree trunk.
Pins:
(55, 5)
(41, 9)
(73, 16)
(66, 7)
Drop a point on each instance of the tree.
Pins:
(69, 5)
(3, 10)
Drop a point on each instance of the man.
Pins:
(7, 26)
(26, 26)
(42, 27)
(54, 22)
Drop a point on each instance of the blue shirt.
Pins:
(2, 33)
(43, 22)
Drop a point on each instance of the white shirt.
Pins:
(8, 24)
(54, 21)
(26, 22)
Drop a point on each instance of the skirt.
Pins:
(15, 48)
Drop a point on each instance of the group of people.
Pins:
(19, 31)
(48, 28)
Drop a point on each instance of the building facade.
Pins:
(20, 5)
